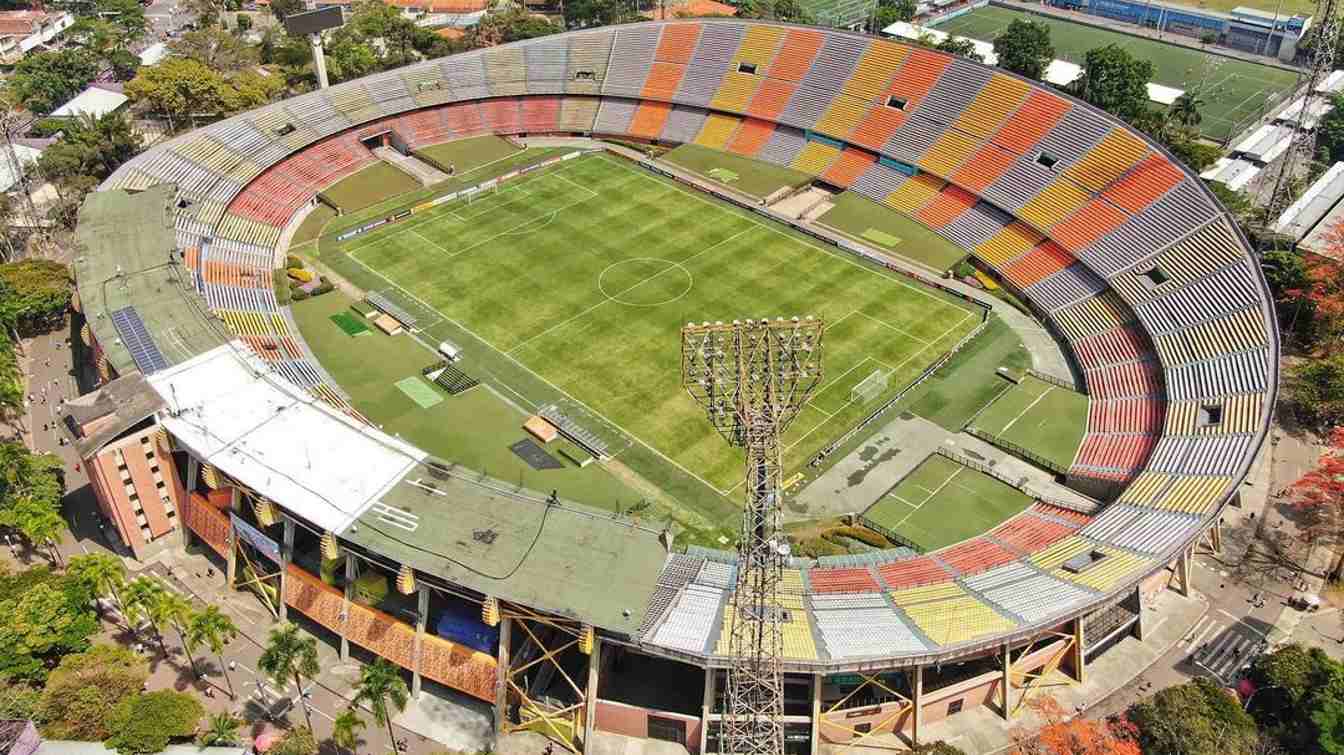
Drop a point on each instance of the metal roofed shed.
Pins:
(1314, 204)
(231, 411)
(92, 101)
(487, 537)
(1232, 173)
(1267, 143)
(127, 258)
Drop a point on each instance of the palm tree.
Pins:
(1185, 110)
(222, 730)
(103, 572)
(345, 730)
(383, 690)
(172, 608)
(142, 595)
(214, 628)
(289, 654)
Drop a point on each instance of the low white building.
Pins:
(93, 101)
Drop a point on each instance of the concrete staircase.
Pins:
(421, 171)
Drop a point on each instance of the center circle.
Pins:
(644, 281)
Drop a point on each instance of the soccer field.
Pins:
(1045, 419)
(583, 274)
(1233, 90)
(942, 502)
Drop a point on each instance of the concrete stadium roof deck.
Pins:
(128, 257)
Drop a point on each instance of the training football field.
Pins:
(1233, 91)
(942, 502)
(583, 274)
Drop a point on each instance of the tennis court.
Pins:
(942, 502)
(1234, 91)
(1043, 418)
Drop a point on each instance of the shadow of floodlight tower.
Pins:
(752, 377)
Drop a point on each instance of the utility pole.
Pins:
(752, 378)
(1303, 150)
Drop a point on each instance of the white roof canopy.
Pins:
(92, 101)
(231, 411)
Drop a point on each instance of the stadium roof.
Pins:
(232, 411)
(128, 258)
(493, 539)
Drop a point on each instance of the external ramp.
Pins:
(421, 171)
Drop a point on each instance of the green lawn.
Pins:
(474, 428)
(571, 284)
(369, 186)
(464, 178)
(942, 502)
(883, 228)
(1040, 417)
(755, 178)
(1234, 91)
(968, 381)
(312, 225)
(469, 154)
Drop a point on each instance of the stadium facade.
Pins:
(568, 621)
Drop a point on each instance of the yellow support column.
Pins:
(502, 676)
(1079, 652)
(816, 712)
(590, 692)
(917, 701)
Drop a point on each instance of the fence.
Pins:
(1017, 450)
(1052, 380)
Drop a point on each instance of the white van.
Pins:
(450, 351)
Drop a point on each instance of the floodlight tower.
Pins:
(1303, 149)
(752, 377)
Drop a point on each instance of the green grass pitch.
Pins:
(861, 218)
(1042, 418)
(1233, 90)
(942, 502)
(369, 186)
(583, 274)
(755, 178)
(351, 325)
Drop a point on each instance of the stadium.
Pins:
(567, 616)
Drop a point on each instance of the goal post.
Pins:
(868, 389)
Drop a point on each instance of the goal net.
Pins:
(871, 387)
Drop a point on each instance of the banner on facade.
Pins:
(255, 538)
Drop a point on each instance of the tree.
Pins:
(25, 475)
(1024, 48)
(1316, 389)
(124, 64)
(39, 522)
(216, 630)
(283, 8)
(1324, 290)
(34, 294)
(50, 618)
(213, 48)
(103, 573)
(43, 81)
(1328, 718)
(1330, 132)
(221, 730)
(182, 88)
(1185, 110)
(509, 26)
(91, 146)
(384, 691)
(1115, 81)
(1062, 735)
(290, 655)
(128, 15)
(585, 13)
(348, 58)
(146, 723)
(143, 596)
(83, 691)
(297, 741)
(1319, 496)
(345, 730)
(172, 608)
(207, 12)
(937, 748)
(1195, 718)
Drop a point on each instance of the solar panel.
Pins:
(136, 338)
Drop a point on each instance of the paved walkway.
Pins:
(856, 481)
